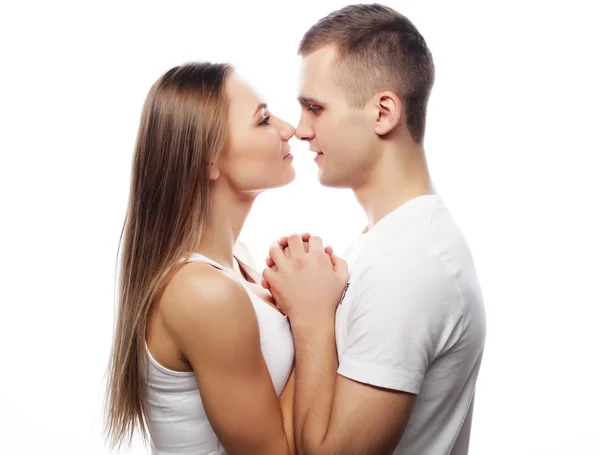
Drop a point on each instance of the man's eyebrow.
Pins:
(305, 101)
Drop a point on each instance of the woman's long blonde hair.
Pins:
(182, 130)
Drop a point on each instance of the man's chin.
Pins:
(329, 182)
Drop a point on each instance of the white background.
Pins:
(513, 146)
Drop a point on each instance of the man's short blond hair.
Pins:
(377, 49)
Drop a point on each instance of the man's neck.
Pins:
(399, 176)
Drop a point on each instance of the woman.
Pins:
(202, 354)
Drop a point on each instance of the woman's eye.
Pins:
(265, 121)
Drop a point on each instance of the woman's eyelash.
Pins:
(313, 109)
(265, 121)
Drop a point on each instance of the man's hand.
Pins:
(283, 241)
(307, 283)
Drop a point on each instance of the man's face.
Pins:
(343, 137)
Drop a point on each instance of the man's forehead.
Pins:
(316, 72)
(319, 62)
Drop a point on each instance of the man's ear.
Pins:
(389, 109)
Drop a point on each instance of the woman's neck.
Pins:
(228, 215)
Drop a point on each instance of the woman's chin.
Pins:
(286, 177)
(289, 176)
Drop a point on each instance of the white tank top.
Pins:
(177, 422)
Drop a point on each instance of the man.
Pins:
(397, 373)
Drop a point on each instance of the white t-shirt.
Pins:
(412, 319)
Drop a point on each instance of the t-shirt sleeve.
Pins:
(406, 310)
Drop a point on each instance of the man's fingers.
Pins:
(334, 259)
(296, 245)
(340, 266)
(268, 275)
(315, 243)
(284, 241)
(329, 251)
(276, 254)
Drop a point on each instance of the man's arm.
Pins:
(336, 415)
(315, 391)
(403, 312)
(332, 414)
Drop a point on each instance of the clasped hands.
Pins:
(305, 278)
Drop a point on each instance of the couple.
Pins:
(212, 357)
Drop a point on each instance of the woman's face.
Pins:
(257, 156)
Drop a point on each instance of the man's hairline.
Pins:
(337, 57)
